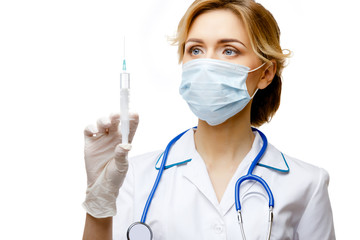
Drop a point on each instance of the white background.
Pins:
(59, 71)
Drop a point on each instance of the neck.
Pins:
(225, 144)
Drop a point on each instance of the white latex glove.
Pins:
(106, 164)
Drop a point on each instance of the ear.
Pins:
(268, 75)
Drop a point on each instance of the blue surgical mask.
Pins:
(215, 90)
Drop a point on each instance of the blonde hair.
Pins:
(264, 35)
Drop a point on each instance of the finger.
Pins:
(121, 154)
(103, 125)
(134, 122)
(90, 131)
(114, 121)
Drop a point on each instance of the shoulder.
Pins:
(301, 184)
(296, 167)
(312, 180)
(292, 177)
(306, 172)
(305, 190)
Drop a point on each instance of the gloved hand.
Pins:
(106, 164)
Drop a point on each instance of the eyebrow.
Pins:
(225, 40)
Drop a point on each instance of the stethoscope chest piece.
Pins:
(139, 231)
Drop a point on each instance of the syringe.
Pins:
(124, 102)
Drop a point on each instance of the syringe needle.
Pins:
(124, 61)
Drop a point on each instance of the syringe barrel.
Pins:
(124, 80)
(124, 115)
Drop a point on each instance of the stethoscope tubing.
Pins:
(261, 152)
(251, 176)
(248, 176)
(254, 178)
(158, 177)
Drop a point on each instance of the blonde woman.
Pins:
(231, 80)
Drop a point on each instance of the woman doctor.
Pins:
(232, 64)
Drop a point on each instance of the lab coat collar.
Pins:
(183, 151)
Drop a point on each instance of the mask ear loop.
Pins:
(254, 93)
(253, 70)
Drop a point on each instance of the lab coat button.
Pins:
(218, 228)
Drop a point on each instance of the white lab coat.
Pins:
(185, 206)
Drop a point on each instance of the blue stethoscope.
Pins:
(142, 231)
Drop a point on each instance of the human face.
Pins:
(220, 34)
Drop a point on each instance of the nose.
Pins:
(211, 53)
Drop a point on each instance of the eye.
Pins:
(231, 52)
(195, 51)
